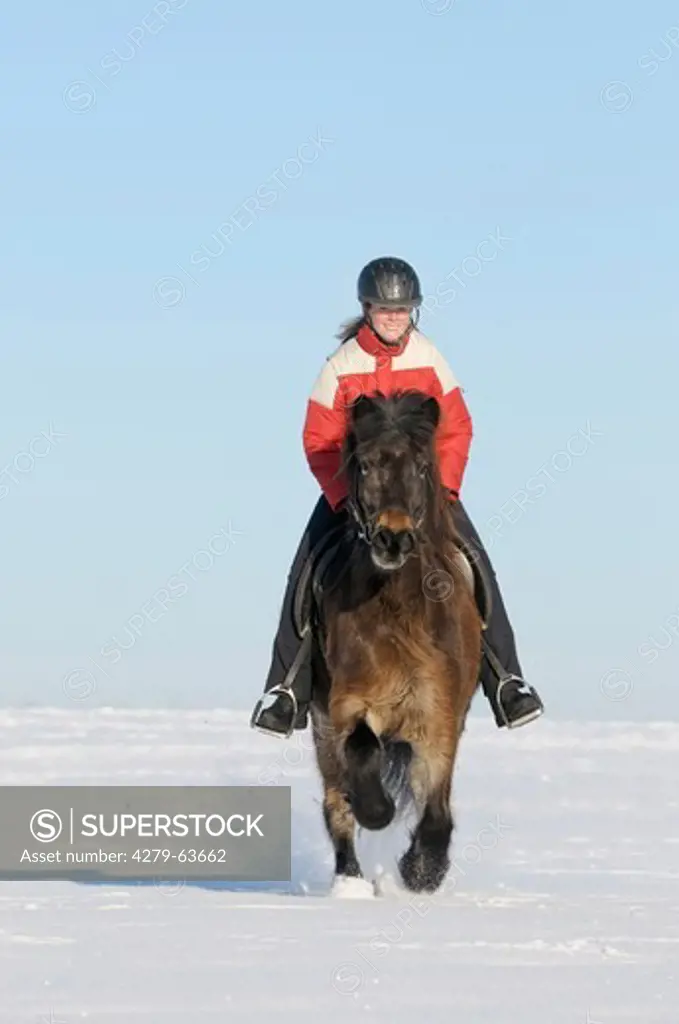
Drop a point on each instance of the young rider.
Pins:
(382, 350)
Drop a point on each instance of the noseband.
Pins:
(367, 526)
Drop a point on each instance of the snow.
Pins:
(561, 906)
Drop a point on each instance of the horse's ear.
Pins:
(360, 408)
(431, 411)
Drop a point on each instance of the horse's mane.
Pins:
(387, 418)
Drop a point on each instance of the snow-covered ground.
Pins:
(562, 905)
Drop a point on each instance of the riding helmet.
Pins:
(389, 281)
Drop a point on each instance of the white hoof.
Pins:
(347, 888)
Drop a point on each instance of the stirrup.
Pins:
(524, 719)
(258, 707)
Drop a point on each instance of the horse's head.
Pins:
(392, 473)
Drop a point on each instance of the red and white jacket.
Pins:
(364, 365)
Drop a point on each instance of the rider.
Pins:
(382, 350)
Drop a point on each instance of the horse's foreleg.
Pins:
(341, 825)
(372, 805)
(337, 814)
(360, 752)
(425, 863)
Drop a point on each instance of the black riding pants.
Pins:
(499, 633)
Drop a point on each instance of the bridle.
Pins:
(367, 526)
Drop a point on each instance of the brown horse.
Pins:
(398, 656)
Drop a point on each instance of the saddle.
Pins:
(314, 578)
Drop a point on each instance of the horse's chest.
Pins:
(406, 672)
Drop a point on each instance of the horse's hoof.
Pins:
(374, 814)
(422, 873)
(348, 887)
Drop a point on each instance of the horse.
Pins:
(398, 654)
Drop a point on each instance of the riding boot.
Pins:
(292, 695)
(289, 679)
(513, 701)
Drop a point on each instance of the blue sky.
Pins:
(189, 190)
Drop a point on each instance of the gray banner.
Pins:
(162, 833)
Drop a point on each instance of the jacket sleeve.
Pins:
(455, 432)
(323, 436)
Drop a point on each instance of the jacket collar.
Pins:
(369, 341)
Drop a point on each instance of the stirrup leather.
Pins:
(285, 687)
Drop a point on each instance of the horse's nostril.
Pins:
(407, 542)
(394, 545)
(382, 539)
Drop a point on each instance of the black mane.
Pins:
(385, 419)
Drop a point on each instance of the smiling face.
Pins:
(390, 323)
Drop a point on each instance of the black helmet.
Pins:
(389, 281)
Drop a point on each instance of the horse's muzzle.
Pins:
(390, 548)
